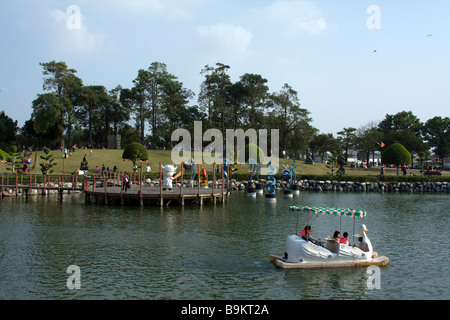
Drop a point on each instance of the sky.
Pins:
(351, 61)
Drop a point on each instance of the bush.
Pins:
(48, 163)
(135, 152)
(396, 154)
(256, 149)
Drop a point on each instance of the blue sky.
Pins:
(323, 49)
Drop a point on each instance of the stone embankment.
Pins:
(303, 185)
(346, 186)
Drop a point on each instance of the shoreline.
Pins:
(350, 186)
(302, 185)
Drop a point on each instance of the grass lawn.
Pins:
(111, 158)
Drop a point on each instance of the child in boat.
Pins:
(344, 239)
(336, 236)
(306, 235)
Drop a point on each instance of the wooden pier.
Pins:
(109, 190)
(153, 196)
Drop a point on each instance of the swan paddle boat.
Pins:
(301, 253)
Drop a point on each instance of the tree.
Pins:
(347, 138)
(140, 96)
(135, 152)
(214, 95)
(174, 100)
(236, 104)
(400, 121)
(396, 154)
(61, 81)
(256, 151)
(48, 164)
(332, 162)
(29, 137)
(322, 143)
(157, 76)
(255, 93)
(437, 132)
(119, 110)
(405, 128)
(286, 109)
(144, 97)
(47, 113)
(13, 159)
(366, 140)
(92, 98)
(8, 130)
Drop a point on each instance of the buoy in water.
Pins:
(259, 188)
(295, 189)
(251, 192)
(287, 193)
(270, 198)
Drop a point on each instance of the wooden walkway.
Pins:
(154, 196)
(101, 190)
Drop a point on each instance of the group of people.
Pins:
(125, 181)
(306, 235)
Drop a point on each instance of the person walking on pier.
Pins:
(126, 181)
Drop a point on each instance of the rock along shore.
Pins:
(302, 185)
(350, 186)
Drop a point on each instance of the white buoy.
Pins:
(270, 198)
(251, 192)
(259, 188)
(287, 194)
(295, 190)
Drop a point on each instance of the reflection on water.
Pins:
(216, 252)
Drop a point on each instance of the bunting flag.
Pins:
(331, 211)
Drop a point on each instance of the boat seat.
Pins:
(332, 246)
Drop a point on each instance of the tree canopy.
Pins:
(70, 112)
(396, 154)
(135, 152)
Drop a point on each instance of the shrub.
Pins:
(255, 149)
(135, 152)
(396, 154)
(48, 164)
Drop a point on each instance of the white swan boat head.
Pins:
(303, 251)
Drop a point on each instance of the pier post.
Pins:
(181, 184)
(140, 183)
(198, 180)
(160, 185)
(222, 182)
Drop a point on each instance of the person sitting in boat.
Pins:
(344, 239)
(336, 236)
(306, 235)
(333, 243)
(363, 245)
(306, 232)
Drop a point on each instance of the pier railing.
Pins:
(111, 185)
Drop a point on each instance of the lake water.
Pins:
(217, 252)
